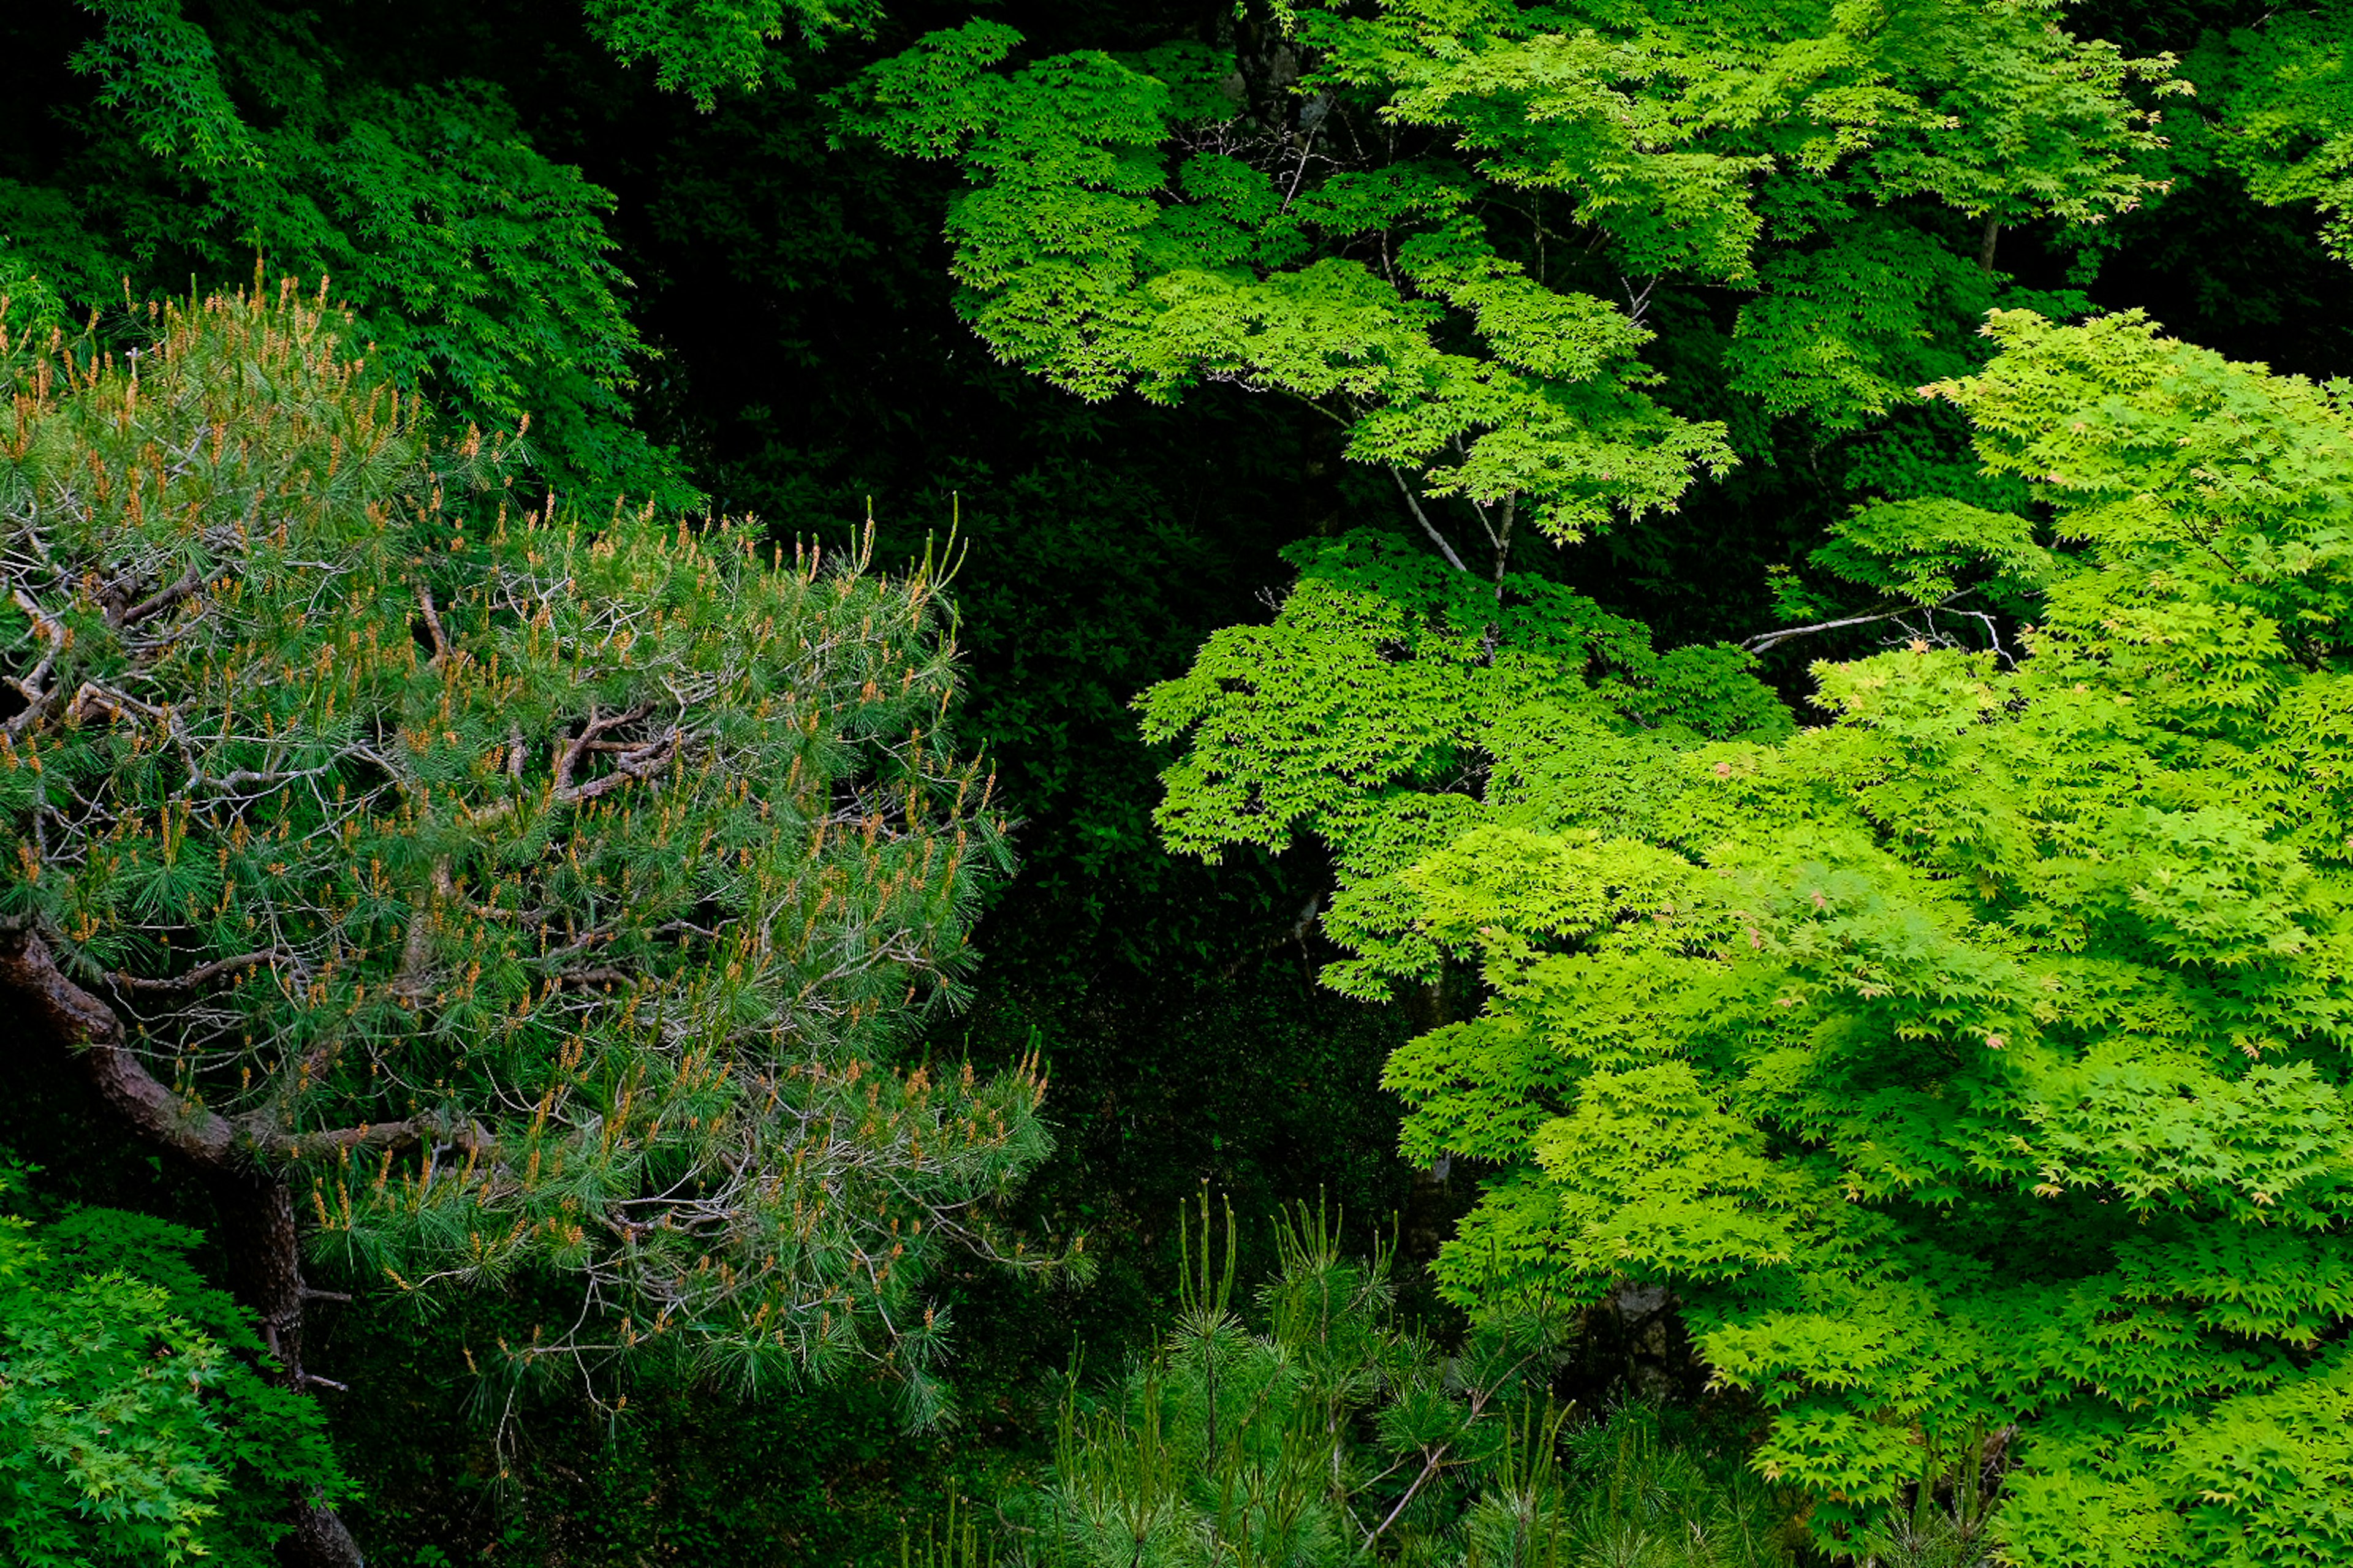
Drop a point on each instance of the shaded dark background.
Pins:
(809, 366)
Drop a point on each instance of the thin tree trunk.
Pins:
(263, 1250)
(255, 1224)
(1430, 1204)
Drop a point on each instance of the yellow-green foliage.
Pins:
(550, 890)
(1975, 1067)
(1394, 702)
(133, 1429)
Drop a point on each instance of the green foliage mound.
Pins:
(532, 894)
(477, 265)
(1975, 1068)
(133, 1425)
(1445, 223)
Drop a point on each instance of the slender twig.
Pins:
(594, 977)
(1994, 634)
(1765, 641)
(1436, 1457)
(90, 697)
(1444, 549)
(1638, 302)
(1300, 174)
(37, 700)
(1504, 540)
(204, 974)
(597, 724)
(162, 599)
(433, 622)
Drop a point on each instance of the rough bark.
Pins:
(263, 1250)
(254, 1209)
(1632, 1344)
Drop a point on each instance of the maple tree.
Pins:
(1974, 1067)
(1455, 225)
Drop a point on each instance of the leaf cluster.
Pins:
(478, 266)
(1975, 1067)
(1394, 704)
(705, 47)
(2280, 114)
(1442, 223)
(134, 1427)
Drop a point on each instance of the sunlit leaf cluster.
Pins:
(1442, 222)
(1975, 1068)
(1393, 703)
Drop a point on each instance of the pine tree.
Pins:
(482, 890)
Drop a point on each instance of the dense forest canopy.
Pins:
(1679, 663)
